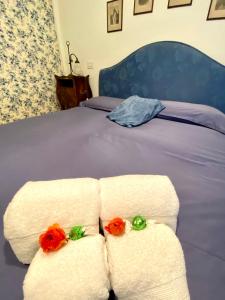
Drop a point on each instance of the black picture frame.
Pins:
(213, 14)
(147, 7)
(179, 3)
(114, 15)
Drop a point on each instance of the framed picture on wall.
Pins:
(178, 3)
(216, 10)
(114, 15)
(143, 6)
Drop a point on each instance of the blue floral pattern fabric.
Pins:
(135, 111)
(29, 58)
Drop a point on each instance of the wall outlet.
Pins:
(90, 65)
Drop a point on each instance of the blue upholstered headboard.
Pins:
(167, 70)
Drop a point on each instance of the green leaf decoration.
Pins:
(139, 223)
(76, 233)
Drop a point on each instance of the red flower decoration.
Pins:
(116, 226)
(53, 239)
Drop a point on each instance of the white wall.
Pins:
(83, 23)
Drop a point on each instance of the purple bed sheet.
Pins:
(82, 142)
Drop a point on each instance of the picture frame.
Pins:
(178, 3)
(216, 10)
(143, 6)
(114, 15)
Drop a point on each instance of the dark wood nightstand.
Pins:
(71, 90)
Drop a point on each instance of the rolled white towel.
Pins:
(38, 205)
(76, 271)
(147, 264)
(152, 196)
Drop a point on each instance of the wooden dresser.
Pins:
(71, 90)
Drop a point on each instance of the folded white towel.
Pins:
(147, 264)
(152, 196)
(38, 205)
(76, 271)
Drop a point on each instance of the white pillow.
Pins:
(38, 205)
(76, 271)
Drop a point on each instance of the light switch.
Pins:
(90, 65)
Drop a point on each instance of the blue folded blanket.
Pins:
(135, 111)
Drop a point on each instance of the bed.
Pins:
(82, 142)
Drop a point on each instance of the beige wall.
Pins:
(83, 23)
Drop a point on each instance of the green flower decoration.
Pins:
(139, 223)
(76, 233)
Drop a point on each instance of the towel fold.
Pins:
(152, 196)
(76, 271)
(147, 264)
(38, 205)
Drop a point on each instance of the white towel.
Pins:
(147, 264)
(152, 196)
(38, 205)
(77, 271)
